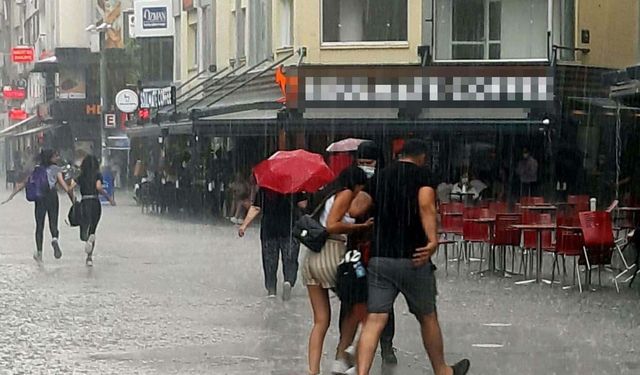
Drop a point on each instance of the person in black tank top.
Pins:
(90, 184)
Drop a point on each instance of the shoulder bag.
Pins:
(309, 231)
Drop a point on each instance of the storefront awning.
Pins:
(604, 103)
(36, 130)
(18, 126)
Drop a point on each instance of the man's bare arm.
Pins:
(428, 217)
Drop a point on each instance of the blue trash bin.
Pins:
(107, 185)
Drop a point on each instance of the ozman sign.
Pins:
(153, 18)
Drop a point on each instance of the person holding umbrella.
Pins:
(279, 213)
(282, 180)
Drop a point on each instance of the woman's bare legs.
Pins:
(319, 298)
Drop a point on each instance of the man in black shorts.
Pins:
(405, 238)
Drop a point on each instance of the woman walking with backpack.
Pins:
(41, 189)
(90, 183)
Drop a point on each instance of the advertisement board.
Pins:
(110, 12)
(71, 84)
(153, 18)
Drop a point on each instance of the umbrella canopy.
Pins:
(345, 145)
(295, 171)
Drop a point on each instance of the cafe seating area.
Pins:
(495, 238)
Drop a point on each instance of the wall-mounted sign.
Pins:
(22, 54)
(93, 109)
(110, 120)
(127, 101)
(156, 97)
(153, 18)
(17, 114)
(14, 93)
(71, 84)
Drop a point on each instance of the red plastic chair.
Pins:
(597, 228)
(569, 243)
(531, 201)
(505, 235)
(452, 207)
(498, 208)
(475, 233)
(580, 203)
(451, 229)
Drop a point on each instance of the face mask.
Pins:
(465, 180)
(369, 171)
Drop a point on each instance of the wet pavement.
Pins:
(183, 297)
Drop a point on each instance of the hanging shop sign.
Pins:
(127, 101)
(153, 18)
(156, 97)
(14, 93)
(17, 114)
(110, 120)
(22, 54)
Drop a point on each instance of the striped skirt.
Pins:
(322, 268)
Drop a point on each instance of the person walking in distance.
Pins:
(320, 269)
(528, 174)
(405, 238)
(90, 183)
(47, 203)
(279, 213)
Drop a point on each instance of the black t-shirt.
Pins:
(398, 228)
(279, 212)
(88, 185)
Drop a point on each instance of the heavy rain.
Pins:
(313, 187)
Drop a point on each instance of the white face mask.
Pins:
(370, 171)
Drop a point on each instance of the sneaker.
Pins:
(388, 354)
(91, 242)
(37, 256)
(462, 367)
(271, 294)
(57, 253)
(286, 291)
(89, 261)
(340, 366)
(351, 371)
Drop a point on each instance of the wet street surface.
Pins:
(170, 296)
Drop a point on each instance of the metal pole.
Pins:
(103, 101)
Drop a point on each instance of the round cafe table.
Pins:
(538, 228)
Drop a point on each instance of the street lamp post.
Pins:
(104, 100)
(103, 104)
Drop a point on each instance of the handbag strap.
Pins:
(322, 203)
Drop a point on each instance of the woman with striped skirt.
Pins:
(319, 270)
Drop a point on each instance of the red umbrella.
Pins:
(293, 172)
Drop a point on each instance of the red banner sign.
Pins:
(22, 55)
(14, 93)
(18, 114)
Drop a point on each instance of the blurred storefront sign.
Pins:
(14, 93)
(22, 54)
